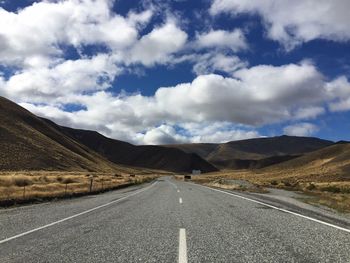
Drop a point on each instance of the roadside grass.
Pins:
(224, 183)
(26, 186)
(219, 183)
(323, 189)
(179, 177)
(339, 202)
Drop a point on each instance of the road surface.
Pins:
(168, 221)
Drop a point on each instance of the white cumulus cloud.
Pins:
(38, 31)
(252, 97)
(297, 21)
(301, 129)
(158, 45)
(233, 40)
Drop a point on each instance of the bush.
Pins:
(59, 179)
(44, 179)
(68, 181)
(22, 181)
(311, 187)
(286, 183)
(274, 182)
(296, 185)
(332, 189)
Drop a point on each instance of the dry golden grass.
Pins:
(36, 185)
(339, 202)
(325, 186)
(179, 177)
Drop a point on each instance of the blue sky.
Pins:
(181, 71)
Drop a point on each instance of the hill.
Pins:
(329, 166)
(156, 157)
(29, 143)
(32, 143)
(254, 153)
(332, 161)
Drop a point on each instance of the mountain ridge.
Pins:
(43, 143)
(225, 155)
(29, 142)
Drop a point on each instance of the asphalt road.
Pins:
(168, 221)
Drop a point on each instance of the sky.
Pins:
(181, 71)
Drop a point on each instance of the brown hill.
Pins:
(332, 161)
(29, 143)
(253, 164)
(322, 167)
(156, 157)
(246, 153)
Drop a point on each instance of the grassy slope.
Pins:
(229, 155)
(323, 174)
(29, 143)
(23, 187)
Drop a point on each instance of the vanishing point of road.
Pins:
(168, 221)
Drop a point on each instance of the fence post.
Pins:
(91, 179)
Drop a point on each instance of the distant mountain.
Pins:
(237, 164)
(254, 153)
(155, 157)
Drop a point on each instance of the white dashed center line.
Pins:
(180, 200)
(182, 246)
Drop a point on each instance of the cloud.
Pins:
(309, 112)
(39, 30)
(210, 108)
(212, 132)
(40, 34)
(294, 22)
(340, 87)
(253, 96)
(342, 105)
(233, 40)
(164, 134)
(42, 84)
(40, 72)
(301, 129)
(213, 62)
(158, 45)
(218, 132)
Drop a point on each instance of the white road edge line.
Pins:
(280, 209)
(76, 215)
(180, 200)
(182, 246)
